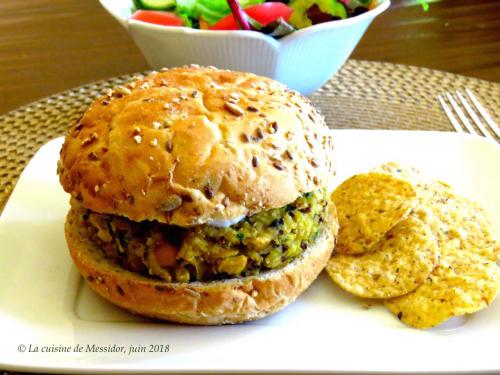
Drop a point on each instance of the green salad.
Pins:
(276, 18)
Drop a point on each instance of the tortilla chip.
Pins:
(368, 206)
(460, 223)
(463, 283)
(456, 221)
(399, 263)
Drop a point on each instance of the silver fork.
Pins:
(479, 115)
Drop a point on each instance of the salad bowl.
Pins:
(303, 60)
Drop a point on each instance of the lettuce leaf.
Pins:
(210, 10)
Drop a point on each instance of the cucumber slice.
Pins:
(154, 4)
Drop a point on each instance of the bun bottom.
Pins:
(204, 303)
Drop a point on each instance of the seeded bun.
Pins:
(193, 145)
(206, 303)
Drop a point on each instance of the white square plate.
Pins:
(44, 304)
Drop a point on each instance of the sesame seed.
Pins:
(288, 154)
(145, 85)
(166, 106)
(91, 138)
(137, 139)
(251, 108)
(315, 180)
(164, 83)
(245, 137)
(314, 163)
(233, 98)
(233, 109)
(122, 90)
(225, 201)
(143, 192)
(154, 142)
(131, 85)
(137, 130)
(194, 94)
(96, 188)
(105, 102)
(255, 162)
(109, 93)
(156, 124)
(183, 97)
(176, 100)
(254, 293)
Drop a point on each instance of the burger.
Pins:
(199, 195)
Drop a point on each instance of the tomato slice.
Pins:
(157, 17)
(262, 13)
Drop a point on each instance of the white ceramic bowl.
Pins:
(303, 60)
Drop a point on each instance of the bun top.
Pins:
(196, 145)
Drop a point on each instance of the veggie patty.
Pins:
(264, 241)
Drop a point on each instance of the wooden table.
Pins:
(48, 46)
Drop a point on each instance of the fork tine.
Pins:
(461, 114)
(483, 112)
(474, 117)
(452, 118)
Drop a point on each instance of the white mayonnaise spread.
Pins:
(225, 223)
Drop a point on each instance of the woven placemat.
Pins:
(364, 95)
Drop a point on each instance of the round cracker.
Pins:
(462, 283)
(456, 221)
(399, 263)
(368, 206)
